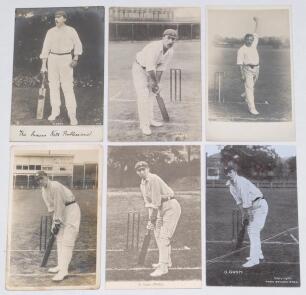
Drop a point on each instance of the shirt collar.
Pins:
(146, 180)
(232, 182)
(162, 48)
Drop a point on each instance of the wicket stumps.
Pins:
(175, 85)
(44, 232)
(132, 232)
(218, 86)
(236, 224)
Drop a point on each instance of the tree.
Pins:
(164, 160)
(254, 161)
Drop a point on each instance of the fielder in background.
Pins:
(147, 71)
(65, 224)
(248, 61)
(164, 213)
(60, 44)
(253, 207)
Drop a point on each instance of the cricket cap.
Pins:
(40, 175)
(141, 164)
(60, 13)
(170, 32)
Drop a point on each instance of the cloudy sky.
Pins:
(236, 23)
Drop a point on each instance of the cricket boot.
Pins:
(73, 120)
(251, 263)
(160, 271)
(146, 130)
(156, 123)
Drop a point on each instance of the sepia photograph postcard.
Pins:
(252, 228)
(54, 218)
(154, 74)
(58, 74)
(153, 230)
(249, 74)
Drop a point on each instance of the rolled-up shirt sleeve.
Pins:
(151, 59)
(240, 56)
(59, 205)
(156, 192)
(244, 191)
(144, 195)
(78, 48)
(234, 195)
(46, 46)
(255, 42)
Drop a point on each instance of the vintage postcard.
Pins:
(252, 228)
(58, 74)
(153, 231)
(54, 218)
(249, 74)
(155, 86)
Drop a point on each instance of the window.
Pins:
(31, 167)
(38, 167)
(18, 167)
(46, 168)
(62, 169)
(25, 167)
(212, 172)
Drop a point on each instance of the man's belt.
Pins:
(140, 64)
(65, 53)
(252, 66)
(167, 199)
(258, 198)
(70, 203)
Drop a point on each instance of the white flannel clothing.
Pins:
(153, 190)
(55, 196)
(61, 40)
(152, 57)
(248, 55)
(243, 191)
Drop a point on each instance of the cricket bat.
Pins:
(41, 98)
(48, 250)
(241, 234)
(144, 248)
(162, 108)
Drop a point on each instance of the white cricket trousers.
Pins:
(259, 211)
(145, 96)
(67, 235)
(166, 224)
(251, 77)
(60, 74)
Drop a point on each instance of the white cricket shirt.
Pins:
(243, 191)
(61, 40)
(152, 57)
(248, 55)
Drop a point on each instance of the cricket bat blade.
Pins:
(162, 108)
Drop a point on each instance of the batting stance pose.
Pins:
(248, 61)
(164, 214)
(60, 43)
(253, 207)
(65, 224)
(147, 70)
